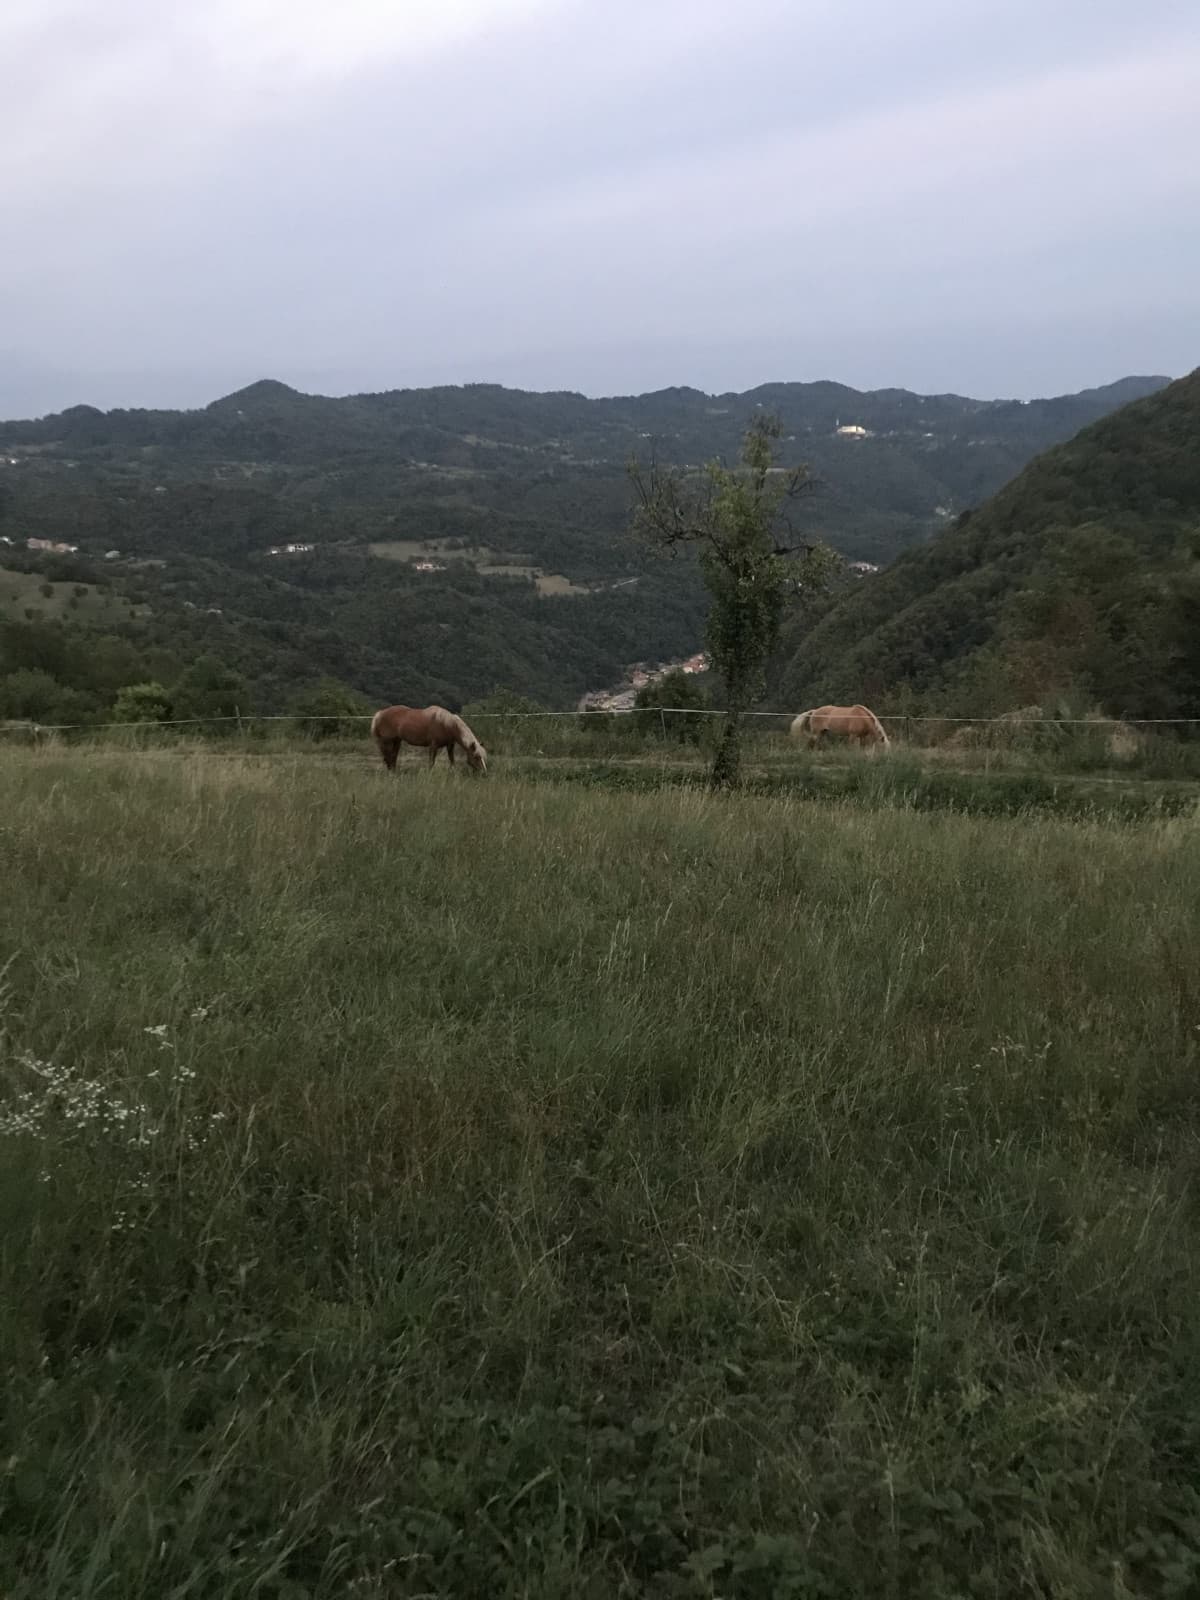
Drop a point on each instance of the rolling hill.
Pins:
(1080, 579)
(440, 543)
(512, 454)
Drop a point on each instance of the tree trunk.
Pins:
(727, 763)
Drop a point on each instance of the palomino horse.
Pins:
(435, 728)
(841, 722)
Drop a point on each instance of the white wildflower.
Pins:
(60, 1104)
(65, 1104)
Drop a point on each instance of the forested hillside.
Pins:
(1080, 580)
(434, 543)
(508, 453)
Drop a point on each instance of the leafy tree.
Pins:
(502, 702)
(750, 557)
(1182, 632)
(208, 688)
(328, 710)
(680, 693)
(29, 693)
(142, 702)
(74, 708)
(113, 662)
(34, 695)
(37, 644)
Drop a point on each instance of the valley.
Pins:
(443, 544)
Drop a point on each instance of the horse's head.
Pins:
(477, 757)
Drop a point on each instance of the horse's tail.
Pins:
(800, 724)
(376, 722)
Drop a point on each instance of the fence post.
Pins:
(662, 721)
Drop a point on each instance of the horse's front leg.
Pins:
(450, 753)
(433, 750)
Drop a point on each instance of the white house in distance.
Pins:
(55, 546)
(851, 430)
(290, 549)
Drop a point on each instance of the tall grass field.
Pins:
(501, 1188)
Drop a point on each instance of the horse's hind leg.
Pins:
(450, 754)
(433, 750)
(389, 749)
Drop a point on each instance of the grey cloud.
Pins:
(994, 198)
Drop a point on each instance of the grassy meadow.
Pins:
(24, 594)
(506, 1188)
(492, 563)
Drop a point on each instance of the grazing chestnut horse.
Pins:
(842, 722)
(435, 728)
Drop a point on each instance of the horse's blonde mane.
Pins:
(457, 727)
(879, 727)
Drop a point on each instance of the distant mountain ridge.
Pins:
(917, 460)
(508, 413)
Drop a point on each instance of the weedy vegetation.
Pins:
(510, 1188)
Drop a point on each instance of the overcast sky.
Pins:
(996, 197)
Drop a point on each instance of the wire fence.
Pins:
(674, 736)
(242, 720)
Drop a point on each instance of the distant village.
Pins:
(622, 698)
(53, 547)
